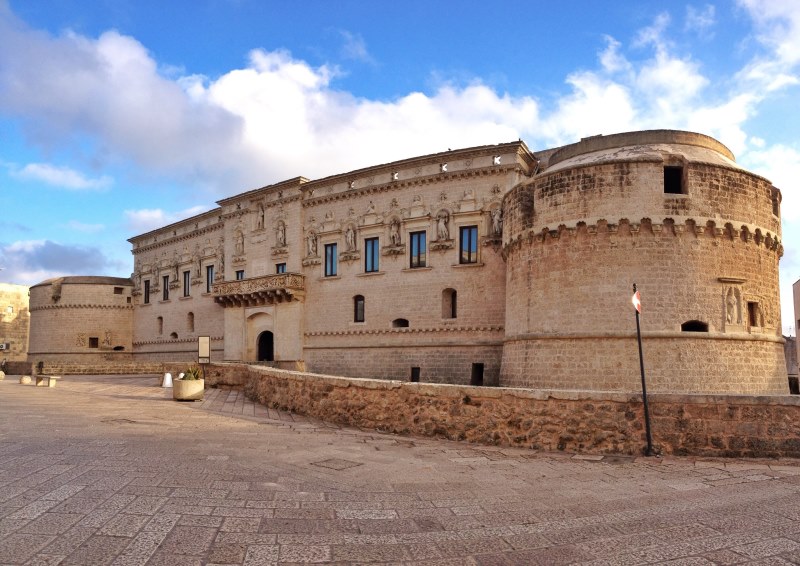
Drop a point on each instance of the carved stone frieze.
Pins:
(349, 256)
(441, 245)
(399, 249)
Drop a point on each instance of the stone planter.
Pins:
(188, 390)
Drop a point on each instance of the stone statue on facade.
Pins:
(497, 221)
(198, 263)
(442, 226)
(311, 244)
(239, 242)
(280, 234)
(221, 261)
(350, 239)
(175, 266)
(260, 219)
(394, 232)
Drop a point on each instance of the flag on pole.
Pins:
(637, 302)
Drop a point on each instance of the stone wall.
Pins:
(14, 322)
(573, 421)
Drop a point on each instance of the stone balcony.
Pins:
(260, 291)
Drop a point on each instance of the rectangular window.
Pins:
(469, 244)
(418, 249)
(146, 291)
(165, 291)
(117, 290)
(673, 180)
(186, 283)
(209, 277)
(371, 255)
(240, 275)
(94, 342)
(280, 268)
(358, 308)
(330, 260)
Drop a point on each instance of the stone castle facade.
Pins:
(14, 322)
(491, 265)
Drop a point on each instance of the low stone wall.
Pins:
(103, 368)
(574, 421)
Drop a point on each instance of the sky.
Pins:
(119, 116)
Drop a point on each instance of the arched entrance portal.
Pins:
(266, 347)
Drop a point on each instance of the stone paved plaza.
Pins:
(110, 470)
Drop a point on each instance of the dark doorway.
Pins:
(266, 347)
(415, 374)
(477, 375)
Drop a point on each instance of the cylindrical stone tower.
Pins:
(82, 319)
(672, 212)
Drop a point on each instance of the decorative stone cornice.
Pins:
(192, 340)
(179, 238)
(258, 291)
(710, 228)
(80, 306)
(404, 184)
(409, 330)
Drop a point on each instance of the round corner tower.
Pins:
(672, 212)
(81, 319)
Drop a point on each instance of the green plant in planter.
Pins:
(192, 373)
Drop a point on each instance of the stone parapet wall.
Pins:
(574, 421)
(438, 363)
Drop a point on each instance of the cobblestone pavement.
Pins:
(110, 470)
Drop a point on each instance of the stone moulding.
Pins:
(81, 306)
(696, 228)
(270, 289)
(408, 330)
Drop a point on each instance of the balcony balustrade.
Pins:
(260, 291)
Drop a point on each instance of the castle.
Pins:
(490, 265)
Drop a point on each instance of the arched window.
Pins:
(358, 308)
(449, 303)
(694, 326)
(400, 323)
(174, 335)
(160, 325)
(190, 321)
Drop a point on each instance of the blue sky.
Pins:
(117, 116)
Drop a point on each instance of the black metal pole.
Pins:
(649, 450)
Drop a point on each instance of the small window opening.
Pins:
(752, 314)
(694, 326)
(776, 202)
(160, 321)
(449, 303)
(190, 321)
(117, 290)
(94, 342)
(173, 335)
(477, 375)
(119, 348)
(400, 323)
(415, 374)
(673, 180)
(128, 300)
(358, 308)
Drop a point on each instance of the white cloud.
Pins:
(700, 20)
(83, 227)
(146, 219)
(62, 177)
(355, 47)
(31, 261)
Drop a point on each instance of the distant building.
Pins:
(14, 322)
(491, 265)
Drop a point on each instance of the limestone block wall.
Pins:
(166, 326)
(14, 322)
(81, 319)
(705, 262)
(573, 421)
(425, 199)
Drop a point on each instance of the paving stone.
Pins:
(96, 550)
